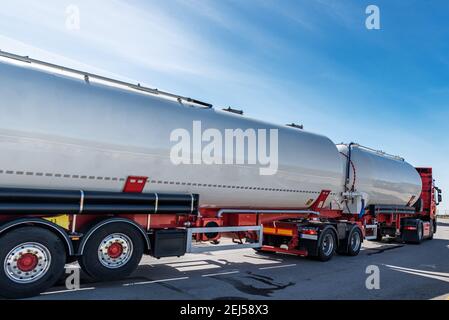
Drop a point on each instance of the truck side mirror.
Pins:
(439, 196)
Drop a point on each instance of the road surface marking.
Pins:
(275, 267)
(219, 274)
(67, 290)
(200, 267)
(186, 264)
(443, 274)
(154, 281)
(427, 274)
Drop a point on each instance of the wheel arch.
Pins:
(102, 223)
(39, 222)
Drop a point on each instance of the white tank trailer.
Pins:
(64, 131)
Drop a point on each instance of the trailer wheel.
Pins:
(33, 260)
(327, 245)
(355, 242)
(351, 245)
(112, 252)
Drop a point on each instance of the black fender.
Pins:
(410, 236)
(58, 230)
(102, 223)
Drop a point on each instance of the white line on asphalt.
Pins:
(275, 267)
(200, 267)
(154, 281)
(186, 264)
(424, 275)
(64, 291)
(443, 274)
(219, 274)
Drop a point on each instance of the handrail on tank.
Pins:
(88, 75)
(383, 153)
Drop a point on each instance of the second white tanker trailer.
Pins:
(102, 171)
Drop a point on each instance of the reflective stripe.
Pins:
(156, 203)
(81, 202)
(80, 211)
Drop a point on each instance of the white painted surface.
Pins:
(382, 179)
(60, 125)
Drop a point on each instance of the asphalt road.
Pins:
(405, 272)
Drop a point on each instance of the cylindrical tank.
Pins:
(62, 132)
(381, 178)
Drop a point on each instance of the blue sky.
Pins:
(311, 62)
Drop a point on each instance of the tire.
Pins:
(112, 252)
(24, 274)
(327, 245)
(420, 232)
(432, 229)
(419, 235)
(355, 242)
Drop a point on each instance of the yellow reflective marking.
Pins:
(269, 230)
(62, 220)
(285, 232)
(281, 232)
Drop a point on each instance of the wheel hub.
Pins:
(115, 250)
(355, 241)
(328, 244)
(28, 262)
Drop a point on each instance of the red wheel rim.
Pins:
(27, 262)
(115, 250)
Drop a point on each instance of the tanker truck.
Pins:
(102, 171)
